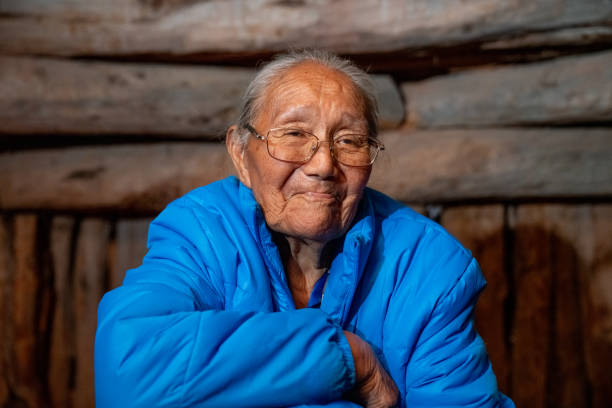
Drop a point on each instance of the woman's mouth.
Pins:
(319, 196)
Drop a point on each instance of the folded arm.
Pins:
(450, 366)
(164, 340)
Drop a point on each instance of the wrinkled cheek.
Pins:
(349, 209)
(271, 203)
(272, 215)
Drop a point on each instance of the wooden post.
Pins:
(131, 247)
(62, 353)
(562, 281)
(25, 378)
(533, 334)
(595, 282)
(6, 273)
(88, 284)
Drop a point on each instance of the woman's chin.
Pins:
(317, 229)
(319, 223)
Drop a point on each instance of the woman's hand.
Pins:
(374, 388)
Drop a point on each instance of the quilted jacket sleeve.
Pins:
(449, 366)
(164, 340)
(334, 404)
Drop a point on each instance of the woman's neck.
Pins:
(305, 262)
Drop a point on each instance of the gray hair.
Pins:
(252, 99)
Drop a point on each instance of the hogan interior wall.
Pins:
(496, 118)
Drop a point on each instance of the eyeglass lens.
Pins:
(296, 145)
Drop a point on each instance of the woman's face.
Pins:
(316, 200)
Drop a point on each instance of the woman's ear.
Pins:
(236, 150)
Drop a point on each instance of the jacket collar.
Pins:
(346, 268)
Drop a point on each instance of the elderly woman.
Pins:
(294, 284)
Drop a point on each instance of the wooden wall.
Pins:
(496, 116)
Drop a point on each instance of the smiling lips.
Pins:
(319, 195)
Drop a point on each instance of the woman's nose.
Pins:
(322, 163)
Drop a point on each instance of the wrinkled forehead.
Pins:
(311, 86)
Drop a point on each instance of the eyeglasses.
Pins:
(294, 145)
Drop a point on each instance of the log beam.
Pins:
(495, 164)
(130, 178)
(563, 91)
(115, 28)
(425, 167)
(47, 96)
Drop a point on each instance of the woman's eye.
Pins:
(294, 133)
(349, 141)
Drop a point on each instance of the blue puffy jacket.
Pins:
(208, 320)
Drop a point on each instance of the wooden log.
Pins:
(62, 343)
(46, 96)
(440, 166)
(4, 390)
(390, 104)
(481, 230)
(6, 272)
(131, 247)
(457, 165)
(599, 307)
(88, 284)
(239, 26)
(130, 178)
(566, 37)
(25, 380)
(533, 334)
(573, 229)
(563, 91)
